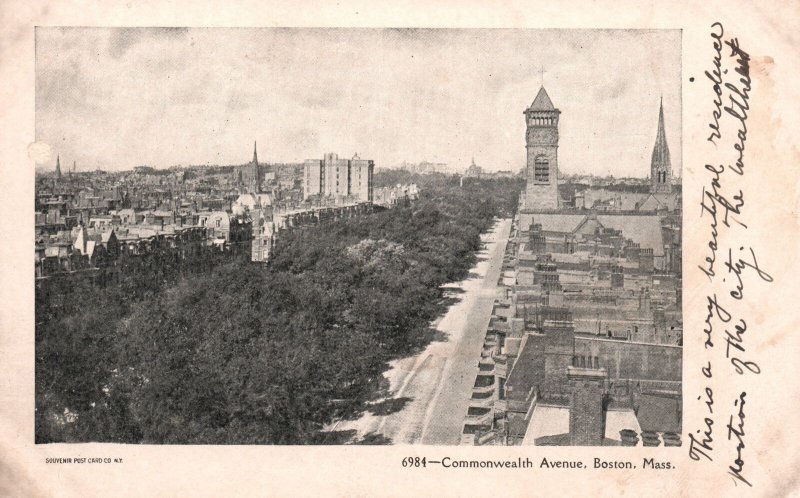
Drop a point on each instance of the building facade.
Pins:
(339, 179)
(361, 171)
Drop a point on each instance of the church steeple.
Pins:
(251, 174)
(58, 167)
(660, 166)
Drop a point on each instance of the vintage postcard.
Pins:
(406, 257)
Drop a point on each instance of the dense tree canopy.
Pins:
(246, 353)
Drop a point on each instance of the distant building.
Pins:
(338, 178)
(425, 167)
(248, 176)
(473, 171)
(389, 196)
(361, 171)
(263, 234)
(228, 229)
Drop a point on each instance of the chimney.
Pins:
(617, 278)
(586, 416)
(644, 300)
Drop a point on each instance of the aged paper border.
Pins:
(767, 32)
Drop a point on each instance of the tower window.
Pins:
(541, 170)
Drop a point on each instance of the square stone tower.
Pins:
(541, 141)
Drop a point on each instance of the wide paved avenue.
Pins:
(435, 386)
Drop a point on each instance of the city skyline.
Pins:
(394, 95)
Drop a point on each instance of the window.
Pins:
(218, 222)
(541, 170)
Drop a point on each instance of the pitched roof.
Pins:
(588, 226)
(651, 203)
(542, 102)
(557, 222)
(645, 230)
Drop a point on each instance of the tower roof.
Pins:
(255, 153)
(660, 149)
(542, 102)
(58, 166)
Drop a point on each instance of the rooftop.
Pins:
(542, 102)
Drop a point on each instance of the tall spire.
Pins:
(255, 153)
(661, 150)
(58, 167)
(660, 166)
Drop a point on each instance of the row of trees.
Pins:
(243, 353)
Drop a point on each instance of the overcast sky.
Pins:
(117, 98)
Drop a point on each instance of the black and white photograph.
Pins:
(359, 236)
